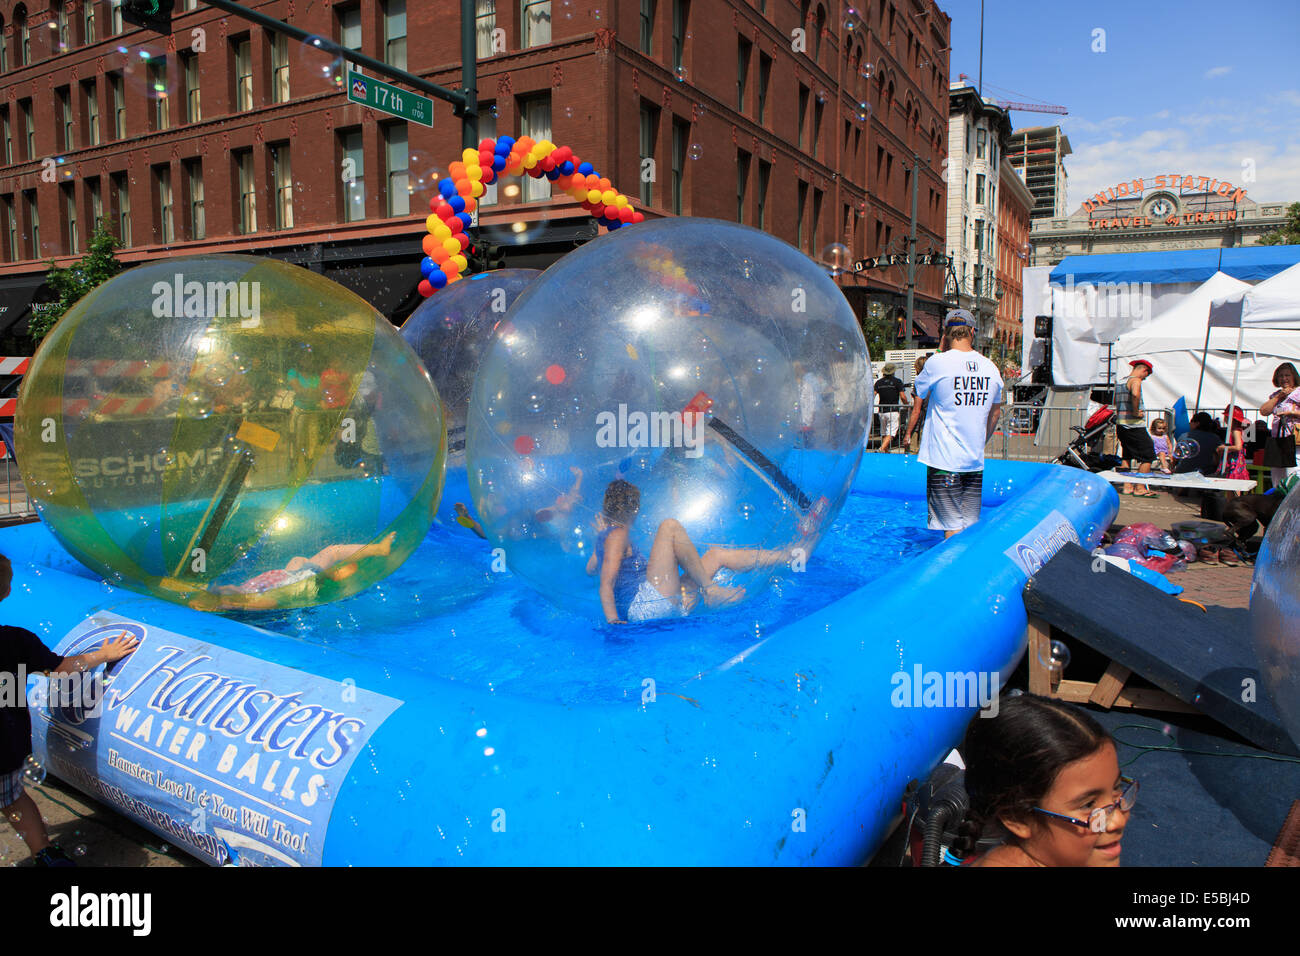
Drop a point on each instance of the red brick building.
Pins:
(1015, 202)
(225, 138)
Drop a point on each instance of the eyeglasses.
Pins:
(1100, 816)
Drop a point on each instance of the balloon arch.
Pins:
(458, 194)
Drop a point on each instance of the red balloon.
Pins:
(555, 374)
(625, 214)
(547, 164)
(598, 210)
(424, 288)
(485, 159)
(638, 217)
(463, 240)
(524, 445)
(456, 225)
(563, 154)
(486, 145)
(444, 211)
(489, 175)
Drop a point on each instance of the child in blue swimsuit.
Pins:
(634, 588)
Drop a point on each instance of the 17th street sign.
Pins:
(389, 99)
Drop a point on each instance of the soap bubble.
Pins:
(33, 771)
(681, 74)
(1186, 448)
(695, 151)
(837, 258)
(1055, 656)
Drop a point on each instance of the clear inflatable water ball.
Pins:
(695, 392)
(1275, 612)
(451, 330)
(231, 433)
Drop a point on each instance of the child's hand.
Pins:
(118, 648)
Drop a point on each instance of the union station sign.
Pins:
(1162, 207)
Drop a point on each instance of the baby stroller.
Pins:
(1084, 451)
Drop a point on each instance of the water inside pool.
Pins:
(446, 613)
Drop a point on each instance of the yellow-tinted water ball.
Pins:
(231, 432)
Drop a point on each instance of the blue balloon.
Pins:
(457, 203)
(438, 279)
(447, 188)
(586, 169)
(466, 219)
(613, 224)
(428, 267)
(504, 145)
(498, 163)
(552, 174)
(568, 167)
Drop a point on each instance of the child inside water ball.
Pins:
(336, 562)
(634, 588)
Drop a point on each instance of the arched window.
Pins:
(22, 36)
(4, 51)
(820, 28)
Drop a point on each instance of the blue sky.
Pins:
(1195, 86)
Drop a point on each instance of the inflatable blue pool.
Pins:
(451, 714)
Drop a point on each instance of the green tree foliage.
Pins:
(98, 265)
(1289, 233)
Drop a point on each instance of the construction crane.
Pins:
(1032, 107)
(1018, 105)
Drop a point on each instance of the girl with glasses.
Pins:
(1045, 777)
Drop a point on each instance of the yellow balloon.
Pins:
(451, 245)
(460, 261)
(608, 196)
(441, 232)
(477, 189)
(469, 156)
(620, 201)
(474, 173)
(432, 223)
(530, 161)
(593, 195)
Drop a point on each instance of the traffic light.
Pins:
(155, 15)
(484, 257)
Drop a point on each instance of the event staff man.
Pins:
(963, 394)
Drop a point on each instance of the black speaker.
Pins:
(1042, 326)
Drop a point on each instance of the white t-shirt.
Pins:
(960, 387)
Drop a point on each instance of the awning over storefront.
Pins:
(16, 298)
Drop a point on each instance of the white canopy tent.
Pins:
(1186, 364)
(1272, 307)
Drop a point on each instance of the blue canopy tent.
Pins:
(1248, 263)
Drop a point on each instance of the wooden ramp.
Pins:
(1202, 660)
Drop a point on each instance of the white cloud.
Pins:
(1217, 71)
